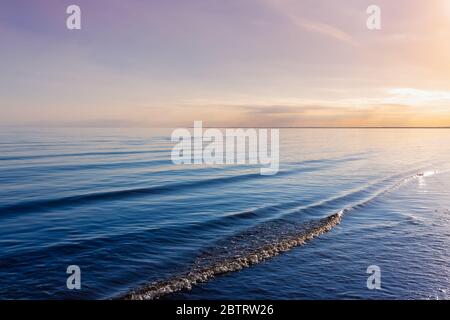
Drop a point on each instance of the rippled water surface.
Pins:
(112, 202)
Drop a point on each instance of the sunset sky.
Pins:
(228, 63)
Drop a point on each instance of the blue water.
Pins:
(112, 202)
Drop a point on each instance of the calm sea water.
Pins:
(112, 202)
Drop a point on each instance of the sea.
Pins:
(111, 202)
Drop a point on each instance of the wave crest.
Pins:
(206, 267)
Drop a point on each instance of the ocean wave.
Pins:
(48, 204)
(256, 245)
(267, 216)
(236, 260)
(79, 154)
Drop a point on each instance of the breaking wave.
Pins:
(206, 267)
(253, 246)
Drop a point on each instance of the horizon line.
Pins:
(327, 127)
(230, 127)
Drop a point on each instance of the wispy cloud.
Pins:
(403, 96)
(322, 115)
(413, 96)
(309, 25)
(323, 29)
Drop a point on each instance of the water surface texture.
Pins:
(112, 202)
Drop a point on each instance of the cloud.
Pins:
(379, 115)
(413, 96)
(323, 29)
(309, 25)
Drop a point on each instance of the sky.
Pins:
(249, 63)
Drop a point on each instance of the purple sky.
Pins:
(235, 62)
